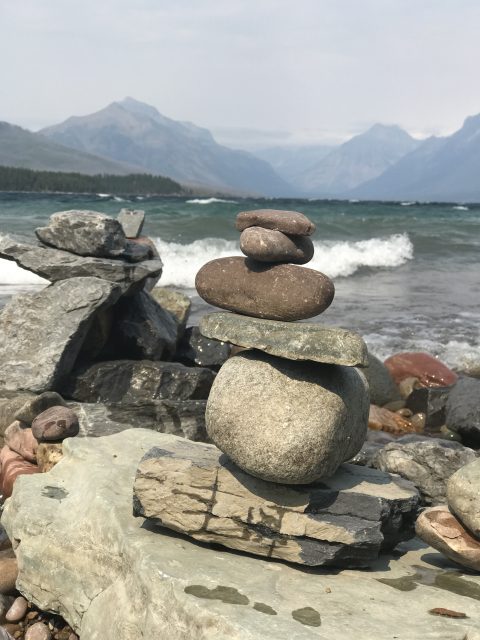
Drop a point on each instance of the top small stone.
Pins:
(85, 233)
(290, 222)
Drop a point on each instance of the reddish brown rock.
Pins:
(276, 292)
(21, 440)
(381, 419)
(290, 222)
(12, 465)
(266, 245)
(439, 528)
(429, 371)
(8, 571)
(56, 423)
(38, 631)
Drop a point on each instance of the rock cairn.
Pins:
(293, 408)
(97, 337)
(287, 411)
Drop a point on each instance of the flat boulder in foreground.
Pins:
(54, 264)
(114, 577)
(41, 334)
(315, 342)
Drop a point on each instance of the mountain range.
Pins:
(383, 163)
(133, 132)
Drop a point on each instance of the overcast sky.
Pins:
(256, 72)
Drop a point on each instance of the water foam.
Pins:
(333, 258)
(210, 201)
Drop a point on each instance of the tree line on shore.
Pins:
(18, 179)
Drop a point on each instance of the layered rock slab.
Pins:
(41, 334)
(285, 421)
(114, 578)
(314, 342)
(54, 264)
(137, 381)
(194, 489)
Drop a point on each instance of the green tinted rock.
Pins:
(311, 341)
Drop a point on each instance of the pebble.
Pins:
(267, 245)
(12, 465)
(38, 631)
(8, 572)
(37, 405)
(290, 222)
(430, 371)
(4, 633)
(18, 610)
(56, 423)
(276, 292)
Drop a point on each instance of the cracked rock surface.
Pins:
(83, 554)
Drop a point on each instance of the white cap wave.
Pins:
(181, 262)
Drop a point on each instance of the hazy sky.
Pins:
(254, 71)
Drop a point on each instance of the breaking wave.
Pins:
(336, 259)
(210, 201)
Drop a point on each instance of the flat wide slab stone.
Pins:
(194, 489)
(82, 553)
(295, 341)
(55, 264)
(41, 334)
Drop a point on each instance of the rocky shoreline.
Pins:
(103, 352)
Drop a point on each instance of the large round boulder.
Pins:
(285, 421)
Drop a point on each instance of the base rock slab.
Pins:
(344, 521)
(113, 578)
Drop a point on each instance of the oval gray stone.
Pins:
(285, 421)
(267, 245)
(305, 341)
(277, 292)
(291, 222)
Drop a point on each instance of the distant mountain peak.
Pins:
(139, 108)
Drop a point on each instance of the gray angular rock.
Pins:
(463, 494)
(38, 404)
(430, 401)
(183, 418)
(86, 233)
(428, 464)
(132, 381)
(267, 245)
(194, 349)
(113, 577)
(41, 334)
(381, 384)
(55, 265)
(132, 221)
(305, 341)
(463, 410)
(285, 421)
(142, 329)
(193, 489)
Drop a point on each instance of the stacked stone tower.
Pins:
(293, 406)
